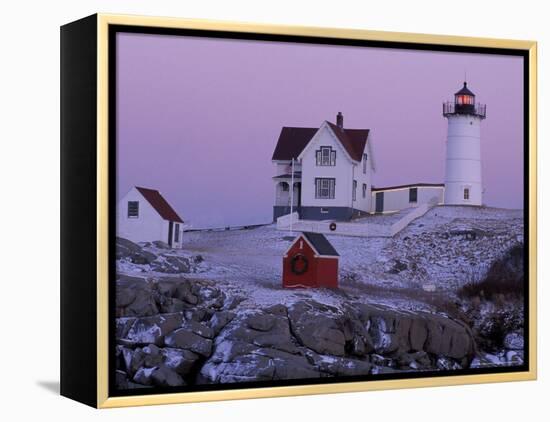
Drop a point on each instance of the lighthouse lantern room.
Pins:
(463, 184)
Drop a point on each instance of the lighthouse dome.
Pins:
(465, 91)
(465, 97)
(464, 104)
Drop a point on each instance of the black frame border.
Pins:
(113, 30)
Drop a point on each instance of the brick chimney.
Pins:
(340, 120)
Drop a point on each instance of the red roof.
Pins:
(293, 140)
(353, 140)
(160, 204)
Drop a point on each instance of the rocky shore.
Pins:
(215, 312)
(173, 332)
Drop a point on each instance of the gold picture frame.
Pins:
(99, 25)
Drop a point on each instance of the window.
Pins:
(324, 188)
(465, 100)
(413, 194)
(466, 194)
(365, 163)
(325, 156)
(364, 190)
(177, 233)
(133, 209)
(354, 191)
(284, 186)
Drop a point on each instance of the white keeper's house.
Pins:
(144, 215)
(325, 173)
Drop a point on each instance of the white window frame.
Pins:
(325, 188)
(325, 156)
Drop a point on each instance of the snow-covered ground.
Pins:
(432, 253)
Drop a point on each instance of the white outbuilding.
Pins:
(143, 215)
(395, 198)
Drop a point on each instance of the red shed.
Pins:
(310, 261)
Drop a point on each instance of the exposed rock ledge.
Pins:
(174, 332)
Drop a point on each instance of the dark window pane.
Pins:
(133, 209)
(413, 194)
(324, 188)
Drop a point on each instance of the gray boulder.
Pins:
(220, 319)
(289, 365)
(161, 376)
(146, 357)
(383, 333)
(243, 368)
(147, 330)
(185, 338)
(125, 249)
(164, 376)
(317, 330)
(340, 366)
(171, 264)
(134, 297)
(181, 361)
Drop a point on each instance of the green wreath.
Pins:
(294, 264)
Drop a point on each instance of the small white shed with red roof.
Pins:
(144, 215)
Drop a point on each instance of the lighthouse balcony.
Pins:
(450, 108)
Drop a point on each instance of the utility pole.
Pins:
(291, 193)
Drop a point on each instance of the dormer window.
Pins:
(325, 156)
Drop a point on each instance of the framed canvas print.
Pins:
(258, 211)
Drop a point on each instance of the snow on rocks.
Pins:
(307, 339)
(450, 246)
(222, 316)
(514, 341)
(155, 257)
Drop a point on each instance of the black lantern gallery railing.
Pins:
(451, 108)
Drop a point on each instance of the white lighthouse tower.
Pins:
(463, 163)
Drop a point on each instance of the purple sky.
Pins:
(198, 119)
